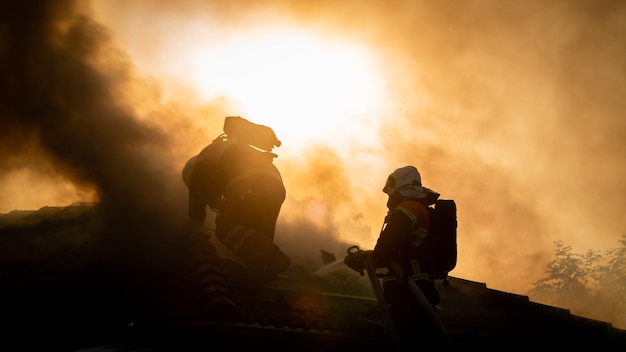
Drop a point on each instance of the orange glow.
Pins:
(513, 109)
(304, 86)
(289, 74)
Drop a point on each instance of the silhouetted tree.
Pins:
(611, 279)
(568, 277)
(589, 284)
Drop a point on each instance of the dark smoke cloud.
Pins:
(60, 104)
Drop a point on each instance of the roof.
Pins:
(54, 297)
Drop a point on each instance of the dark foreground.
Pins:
(60, 291)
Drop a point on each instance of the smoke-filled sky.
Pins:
(515, 109)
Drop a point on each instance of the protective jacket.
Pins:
(252, 196)
(244, 187)
(404, 238)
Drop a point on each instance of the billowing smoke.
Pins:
(65, 114)
(513, 109)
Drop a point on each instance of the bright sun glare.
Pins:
(303, 86)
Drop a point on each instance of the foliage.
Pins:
(589, 284)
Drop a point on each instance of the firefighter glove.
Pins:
(356, 261)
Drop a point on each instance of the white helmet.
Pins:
(404, 177)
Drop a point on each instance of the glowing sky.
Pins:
(514, 109)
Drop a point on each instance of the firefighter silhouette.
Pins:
(236, 178)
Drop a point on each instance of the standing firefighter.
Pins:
(405, 233)
(235, 177)
(405, 248)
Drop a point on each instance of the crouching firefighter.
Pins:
(403, 249)
(236, 178)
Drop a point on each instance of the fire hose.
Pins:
(394, 266)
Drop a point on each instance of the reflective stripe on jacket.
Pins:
(405, 229)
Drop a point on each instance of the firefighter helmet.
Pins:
(401, 178)
(259, 136)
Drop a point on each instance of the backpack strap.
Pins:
(420, 219)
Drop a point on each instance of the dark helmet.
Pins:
(259, 136)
